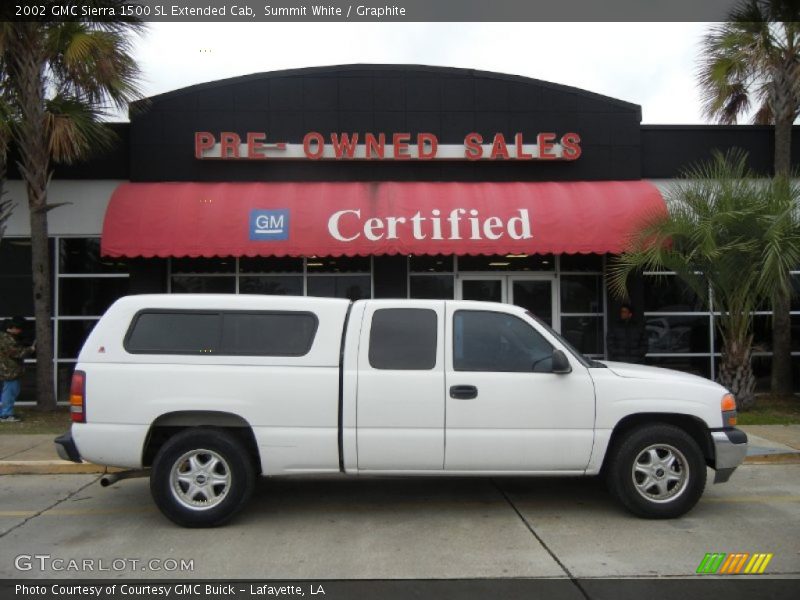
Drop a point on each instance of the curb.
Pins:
(65, 467)
(782, 458)
(52, 467)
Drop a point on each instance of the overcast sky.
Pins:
(650, 64)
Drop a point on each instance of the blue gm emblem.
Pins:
(269, 225)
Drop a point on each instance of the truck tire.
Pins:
(201, 477)
(657, 471)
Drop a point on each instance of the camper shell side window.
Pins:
(221, 333)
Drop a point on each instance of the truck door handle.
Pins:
(463, 392)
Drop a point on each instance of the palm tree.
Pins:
(753, 61)
(730, 237)
(62, 77)
(5, 139)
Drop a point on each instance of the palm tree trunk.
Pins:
(34, 167)
(781, 383)
(736, 374)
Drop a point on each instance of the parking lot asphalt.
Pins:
(421, 528)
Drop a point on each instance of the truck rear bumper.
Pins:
(730, 449)
(66, 448)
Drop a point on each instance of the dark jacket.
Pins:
(627, 341)
(12, 354)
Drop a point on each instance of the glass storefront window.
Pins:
(507, 262)
(71, 335)
(16, 281)
(89, 296)
(353, 287)
(64, 372)
(264, 264)
(82, 255)
(278, 285)
(678, 334)
(339, 264)
(432, 287)
(430, 264)
(187, 284)
(581, 294)
(582, 262)
(585, 333)
(668, 293)
(184, 266)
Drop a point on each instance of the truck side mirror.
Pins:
(561, 364)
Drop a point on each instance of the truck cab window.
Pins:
(403, 339)
(491, 341)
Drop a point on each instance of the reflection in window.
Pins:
(279, 285)
(581, 294)
(352, 287)
(668, 293)
(489, 341)
(188, 284)
(677, 334)
(585, 333)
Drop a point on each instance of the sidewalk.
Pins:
(35, 454)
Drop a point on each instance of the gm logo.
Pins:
(268, 225)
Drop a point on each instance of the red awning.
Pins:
(354, 218)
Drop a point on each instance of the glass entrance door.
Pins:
(536, 293)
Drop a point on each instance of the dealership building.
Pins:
(378, 181)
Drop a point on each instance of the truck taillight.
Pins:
(77, 397)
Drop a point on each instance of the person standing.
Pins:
(627, 338)
(12, 354)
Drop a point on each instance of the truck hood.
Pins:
(633, 371)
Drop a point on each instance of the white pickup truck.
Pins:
(204, 392)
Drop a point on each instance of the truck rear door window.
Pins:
(403, 339)
(231, 333)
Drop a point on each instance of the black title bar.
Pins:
(410, 11)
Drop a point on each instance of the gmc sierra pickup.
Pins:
(204, 392)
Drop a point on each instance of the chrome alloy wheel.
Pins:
(660, 473)
(200, 479)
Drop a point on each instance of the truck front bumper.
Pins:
(66, 448)
(730, 449)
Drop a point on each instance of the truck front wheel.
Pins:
(657, 471)
(201, 477)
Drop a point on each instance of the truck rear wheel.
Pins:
(657, 471)
(201, 477)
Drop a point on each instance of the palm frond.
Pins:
(74, 130)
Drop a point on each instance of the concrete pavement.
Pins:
(35, 454)
(386, 528)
